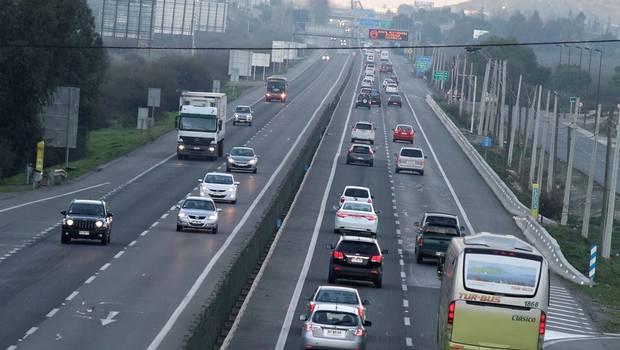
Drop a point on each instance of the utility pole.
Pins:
(553, 153)
(455, 78)
(473, 99)
(501, 108)
(489, 109)
(569, 170)
(611, 200)
(483, 97)
(608, 149)
(543, 141)
(513, 123)
(463, 86)
(585, 225)
(535, 141)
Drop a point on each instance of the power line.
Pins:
(443, 46)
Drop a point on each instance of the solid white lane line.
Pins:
(72, 295)
(90, 279)
(52, 312)
(53, 197)
(286, 326)
(104, 267)
(119, 254)
(159, 338)
(443, 173)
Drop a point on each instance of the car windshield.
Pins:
(335, 318)
(361, 150)
(363, 126)
(198, 122)
(242, 152)
(219, 179)
(356, 192)
(357, 206)
(409, 152)
(86, 209)
(242, 109)
(326, 295)
(362, 248)
(198, 204)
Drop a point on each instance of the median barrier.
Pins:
(218, 307)
(535, 233)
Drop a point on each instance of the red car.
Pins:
(403, 132)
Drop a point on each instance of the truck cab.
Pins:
(201, 125)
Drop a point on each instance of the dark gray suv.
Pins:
(86, 219)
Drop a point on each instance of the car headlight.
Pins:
(69, 222)
(211, 148)
(181, 147)
(231, 189)
(252, 161)
(283, 95)
(231, 161)
(213, 217)
(236, 115)
(182, 215)
(99, 223)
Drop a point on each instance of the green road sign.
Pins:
(441, 75)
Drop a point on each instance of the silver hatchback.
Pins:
(412, 159)
(334, 326)
(198, 213)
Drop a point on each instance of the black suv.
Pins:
(363, 100)
(355, 257)
(86, 219)
(375, 97)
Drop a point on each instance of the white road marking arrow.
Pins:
(106, 321)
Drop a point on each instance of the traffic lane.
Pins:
(601, 343)
(169, 282)
(258, 325)
(386, 312)
(19, 233)
(132, 217)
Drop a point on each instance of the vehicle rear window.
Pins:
(395, 97)
(357, 206)
(198, 204)
(363, 126)
(362, 248)
(360, 150)
(495, 273)
(440, 220)
(336, 296)
(335, 318)
(356, 192)
(407, 152)
(86, 209)
(219, 179)
(443, 230)
(404, 129)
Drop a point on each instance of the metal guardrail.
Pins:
(218, 306)
(536, 234)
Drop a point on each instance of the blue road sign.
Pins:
(486, 142)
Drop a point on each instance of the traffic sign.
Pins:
(535, 201)
(486, 142)
(572, 99)
(441, 75)
(385, 34)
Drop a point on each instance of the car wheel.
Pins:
(371, 164)
(254, 171)
(109, 235)
(336, 230)
(64, 239)
(397, 170)
(250, 124)
(233, 202)
(352, 140)
(214, 231)
(368, 107)
(348, 161)
(227, 169)
(421, 172)
(372, 142)
(179, 228)
(179, 157)
(378, 282)
(331, 278)
(393, 140)
(419, 259)
(104, 240)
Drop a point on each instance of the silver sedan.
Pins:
(198, 213)
(334, 326)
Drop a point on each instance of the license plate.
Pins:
(196, 147)
(357, 260)
(335, 333)
(196, 222)
(84, 233)
(440, 253)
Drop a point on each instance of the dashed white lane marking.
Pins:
(119, 254)
(90, 279)
(164, 215)
(52, 312)
(403, 274)
(400, 242)
(72, 295)
(397, 222)
(12, 347)
(154, 224)
(407, 321)
(173, 207)
(404, 287)
(401, 262)
(405, 303)
(408, 341)
(144, 233)
(398, 231)
(105, 266)
(132, 243)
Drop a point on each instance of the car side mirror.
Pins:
(63, 212)
(367, 323)
(110, 215)
(237, 183)
(384, 251)
(178, 206)
(330, 246)
(218, 209)
(372, 196)
(303, 317)
(378, 211)
(365, 302)
(199, 180)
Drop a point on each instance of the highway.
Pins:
(125, 295)
(404, 310)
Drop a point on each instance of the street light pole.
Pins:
(600, 66)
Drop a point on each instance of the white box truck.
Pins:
(201, 125)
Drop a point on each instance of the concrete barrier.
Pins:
(536, 234)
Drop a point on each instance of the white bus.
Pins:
(494, 294)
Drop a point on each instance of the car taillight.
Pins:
(360, 311)
(341, 199)
(370, 200)
(371, 217)
(420, 242)
(398, 160)
(312, 306)
(338, 255)
(341, 214)
(308, 327)
(376, 258)
(359, 332)
(543, 323)
(451, 309)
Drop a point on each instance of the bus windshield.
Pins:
(276, 85)
(510, 275)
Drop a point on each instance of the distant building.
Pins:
(423, 4)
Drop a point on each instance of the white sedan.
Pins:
(358, 217)
(220, 187)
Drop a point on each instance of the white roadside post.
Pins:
(569, 170)
(611, 199)
(515, 114)
(592, 270)
(585, 225)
